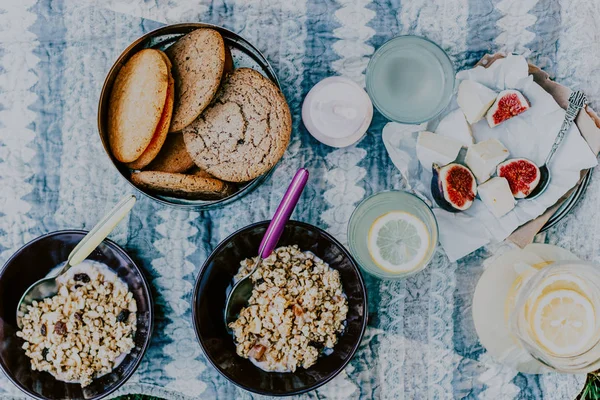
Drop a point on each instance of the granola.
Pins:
(85, 330)
(296, 311)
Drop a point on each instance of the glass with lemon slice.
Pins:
(556, 315)
(392, 234)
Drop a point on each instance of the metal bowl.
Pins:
(244, 54)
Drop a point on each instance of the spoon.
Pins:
(242, 290)
(577, 101)
(48, 286)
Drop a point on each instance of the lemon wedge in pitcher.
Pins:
(398, 241)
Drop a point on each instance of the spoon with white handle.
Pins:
(577, 101)
(48, 286)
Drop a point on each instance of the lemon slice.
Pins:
(398, 241)
(563, 322)
(563, 282)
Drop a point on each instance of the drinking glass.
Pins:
(410, 79)
(371, 209)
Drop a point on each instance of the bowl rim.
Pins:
(195, 319)
(149, 298)
(172, 29)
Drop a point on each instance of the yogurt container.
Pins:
(337, 112)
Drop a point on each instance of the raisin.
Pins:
(79, 317)
(44, 353)
(316, 344)
(44, 331)
(298, 311)
(123, 316)
(77, 286)
(81, 278)
(60, 328)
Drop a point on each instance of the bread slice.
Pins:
(160, 135)
(198, 61)
(181, 185)
(136, 104)
(173, 156)
(244, 132)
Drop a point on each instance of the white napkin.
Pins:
(528, 135)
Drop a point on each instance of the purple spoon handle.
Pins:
(282, 215)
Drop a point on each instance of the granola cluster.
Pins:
(83, 331)
(296, 311)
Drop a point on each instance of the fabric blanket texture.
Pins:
(420, 342)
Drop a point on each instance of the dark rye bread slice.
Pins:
(136, 104)
(198, 60)
(244, 132)
(173, 156)
(181, 185)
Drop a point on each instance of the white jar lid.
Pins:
(337, 112)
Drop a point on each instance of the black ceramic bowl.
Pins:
(209, 303)
(31, 263)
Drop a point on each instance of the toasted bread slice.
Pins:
(136, 104)
(244, 132)
(160, 135)
(198, 60)
(173, 156)
(181, 185)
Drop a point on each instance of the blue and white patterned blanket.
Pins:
(421, 342)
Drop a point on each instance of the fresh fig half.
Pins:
(508, 104)
(453, 187)
(522, 175)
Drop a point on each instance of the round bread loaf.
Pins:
(181, 185)
(136, 104)
(198, 60)
(244, 132)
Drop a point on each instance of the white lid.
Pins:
(337, 112)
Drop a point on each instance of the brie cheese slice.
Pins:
(482, 158)
(433, 148)
(497, 196)
(474, 99)
(455, 126)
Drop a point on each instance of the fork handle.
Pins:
(576, 103)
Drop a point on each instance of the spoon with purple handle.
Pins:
(242, 290)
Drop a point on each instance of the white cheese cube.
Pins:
(483, 157)
(497, 196)
(433, 148)
(474, 99)
(455, 126)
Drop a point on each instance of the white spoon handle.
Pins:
(100, 232)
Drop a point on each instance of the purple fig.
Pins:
(453, 187)
(522, 175)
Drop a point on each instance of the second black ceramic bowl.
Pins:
(33, 262)
(209, 303)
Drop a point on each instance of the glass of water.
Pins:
(410, 79)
